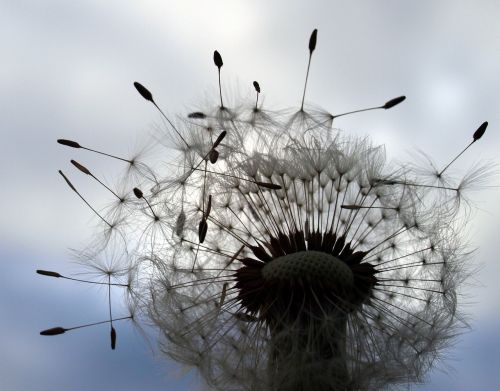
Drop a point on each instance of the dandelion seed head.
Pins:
(340, 274)
(274, 252)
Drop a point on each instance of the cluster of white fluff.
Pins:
(273, 252)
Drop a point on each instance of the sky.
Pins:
(67, 70)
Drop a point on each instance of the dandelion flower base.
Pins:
(311, 266)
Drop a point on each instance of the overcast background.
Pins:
(66, 71)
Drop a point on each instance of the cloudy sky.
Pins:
(67, 70)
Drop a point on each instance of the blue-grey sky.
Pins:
(67, 70)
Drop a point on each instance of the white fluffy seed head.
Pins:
(406, 222)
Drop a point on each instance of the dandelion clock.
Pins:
(272, 251)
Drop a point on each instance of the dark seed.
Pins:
(113, 338)
(143, 91)
(197, 115)
(67, 181)
(138, 193)
(53, 331)
(480, 131)
(69, 143)
(48, 273)
(218, 59)
(268, 185)
(312, 40)
(219, 139)
(80, 167)
(213, 156)
(202, 230)
(393, 102)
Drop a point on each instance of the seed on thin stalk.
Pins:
(218, 63)
(218, 59)
(213, 156)
(146, 94)
(140, 195)
(202, 230)
(179, 223)
(49, 273)
(81, 167)
(480, 131)
(62, 330)
(219, 139)
(197, 115)
(53, 331)
(256, 86)
(387, 105)
(393, 102)
(312, 40)
(257, 89)
(138, 192)
(113, 338)
(475, 137)
(312, 46)
(68, 143)
(86, 171)
(74, 144)
(83, 199)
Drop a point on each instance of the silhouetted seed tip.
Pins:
(480, 131)
(67, 181)
(256, 86)
(351, 207)
(218, 59)
(213, 156)
(197, 115)
(385, 181)
(312, 40)
(80, 167)
(202, 230)
(268, 185)
(53, 331)
(179, 224)
(48, 273)
(113, 338)
(394, 102)
(143, 91)
(219, 139)
(138, 193)
(69, 143)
